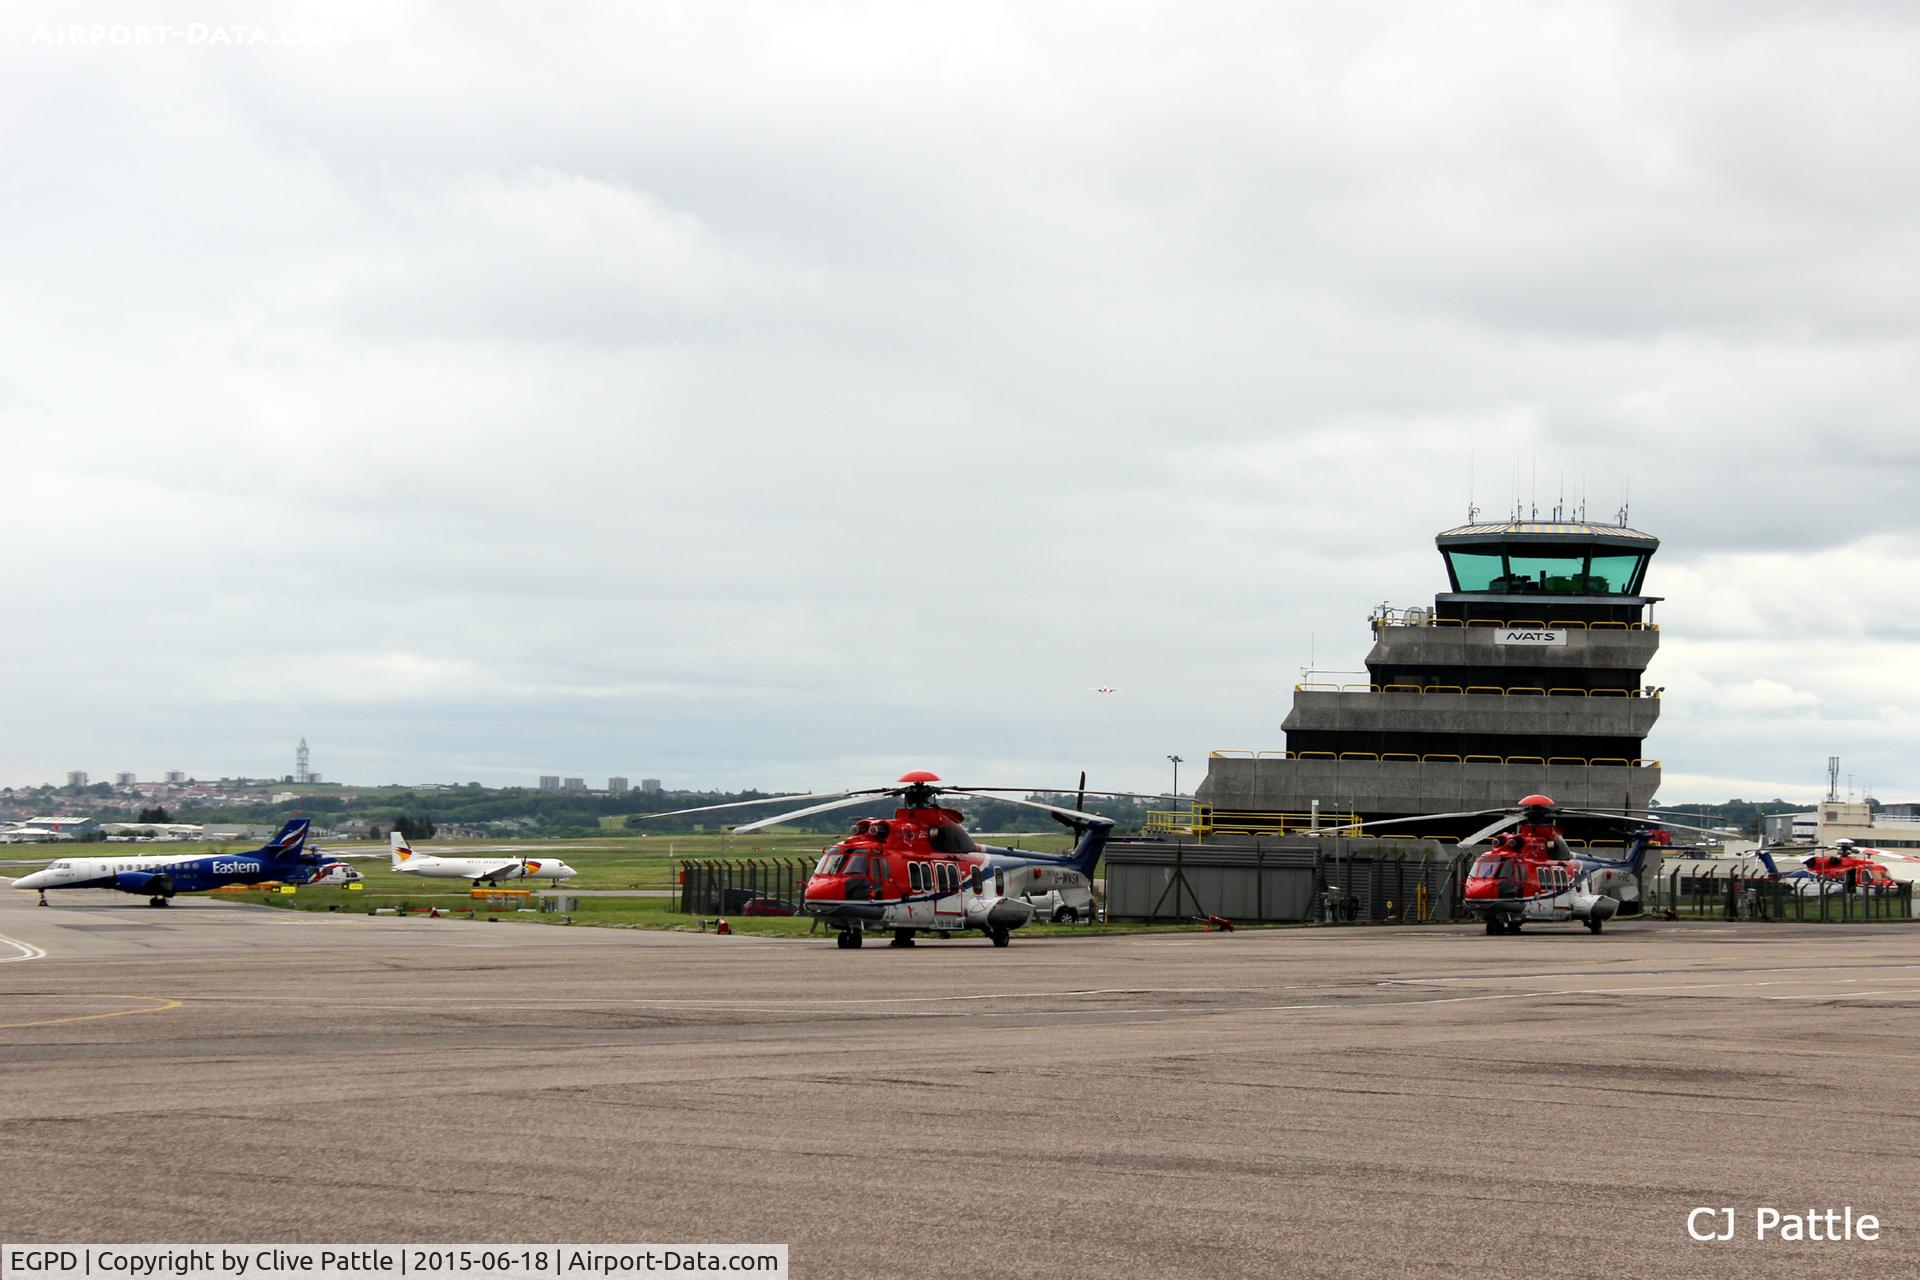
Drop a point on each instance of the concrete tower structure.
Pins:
(302, 763)
(1527, 675)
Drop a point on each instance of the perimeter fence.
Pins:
(717, 886)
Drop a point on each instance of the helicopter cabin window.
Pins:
(949, 877)
(917, 876)
(879, 866)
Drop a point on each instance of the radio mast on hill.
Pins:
(302, 763)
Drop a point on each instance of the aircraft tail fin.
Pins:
(291, 840)
(1092, 842)
(1766, 860)
(1637, 852)
(399, 850)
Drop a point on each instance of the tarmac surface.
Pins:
(1328, 1102)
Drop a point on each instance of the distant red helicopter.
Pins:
(1848, 868)
(921, 872)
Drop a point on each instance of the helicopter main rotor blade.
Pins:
(845, 802)
(1032, 804)
(1647, 820)
(1029, 791)
(1512, 819)
(1418, 817)
(743, 804)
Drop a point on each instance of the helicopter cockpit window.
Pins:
(1487, 868)
(856, 865)
(829, 862)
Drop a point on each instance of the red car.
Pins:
(768, 907)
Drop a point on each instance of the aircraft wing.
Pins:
(511, 866)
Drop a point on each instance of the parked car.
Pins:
(769, 907)
(1062, 906)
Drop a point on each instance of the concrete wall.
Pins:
(1475, 647)
(1395, 787)
(1474, 713)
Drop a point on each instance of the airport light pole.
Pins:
(1177, 762)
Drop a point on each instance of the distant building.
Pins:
(649, 786)
(77, 778)
(1837, 820)
(618, 786)
(123, 780)
(549, 782)
(66, 828)
(575, 785)
(1790, 828)
(174, 777)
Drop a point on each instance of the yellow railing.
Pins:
(1424, 618)
(1201, 820)
(1515, 691)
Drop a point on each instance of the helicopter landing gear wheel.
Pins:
(1593, 924)
(902, 938)
(999, 935)
(1513, 926)
(847, 938)
(1494, 926)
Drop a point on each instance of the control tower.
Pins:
(1527, 675)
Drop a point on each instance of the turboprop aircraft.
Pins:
(484, 870)
(921, 872)
(161, 875)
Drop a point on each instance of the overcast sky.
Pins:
(789, 395)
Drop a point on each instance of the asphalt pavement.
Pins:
(1317, 1102)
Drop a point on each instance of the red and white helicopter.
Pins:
(1847, 868)
(921, 872)
(1531, 875)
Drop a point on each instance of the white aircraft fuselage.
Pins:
(480, 870)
